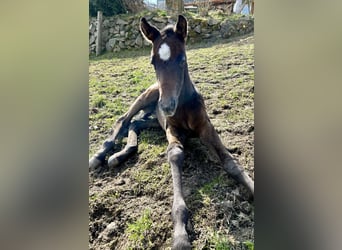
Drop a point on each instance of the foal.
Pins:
(180, 111)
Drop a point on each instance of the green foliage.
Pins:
(136, 77)
(249, 244)
(138, 231)
(108, 7)
(99, 101)
(218, 242)
(207, 190)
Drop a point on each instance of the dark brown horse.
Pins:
(180, 111)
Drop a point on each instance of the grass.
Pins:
(218, 242)
(206, 191)
(249, 244)
(138, 230)
(99, 101)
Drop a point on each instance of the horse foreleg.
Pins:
(132, 140)
(210, 138)
(179, 210)
(147, 99)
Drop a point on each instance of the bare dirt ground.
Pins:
(130, 206)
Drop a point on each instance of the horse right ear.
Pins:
(150, 32)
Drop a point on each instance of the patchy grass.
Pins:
(135, 199)
(218, 242)
(138, 231)
(249, 244)
(207, 190)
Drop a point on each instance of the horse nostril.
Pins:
(172, 104)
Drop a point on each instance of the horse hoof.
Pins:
(94, 163)
(113, 161)
(181, 243)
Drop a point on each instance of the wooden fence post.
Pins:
(99, 31)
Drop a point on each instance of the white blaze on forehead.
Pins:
(164, 52)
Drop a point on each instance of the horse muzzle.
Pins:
(168, 107)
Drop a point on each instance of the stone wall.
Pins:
(122, 32)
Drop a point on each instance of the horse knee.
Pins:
(233, 168)
(108, 144)
(180, 213)
(175, 153)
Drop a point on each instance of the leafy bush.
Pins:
(108, 7)
(115, 7)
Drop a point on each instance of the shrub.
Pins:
(108, 7)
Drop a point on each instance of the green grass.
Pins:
(218, 242)
(206, 191)
(99, 101)
(138, 230)
(249, 244)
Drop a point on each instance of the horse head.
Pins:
(169, 61)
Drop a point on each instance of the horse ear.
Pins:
(182, 26)
(149, 31)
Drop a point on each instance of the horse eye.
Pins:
(182, 61)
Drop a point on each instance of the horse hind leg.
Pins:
(132, 141)
(120, 131)
(146, 100)
(210, 138)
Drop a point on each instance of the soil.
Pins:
(221, 211)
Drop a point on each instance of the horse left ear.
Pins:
(150, 32)
(182, 26)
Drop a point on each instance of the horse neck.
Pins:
(188, 88)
